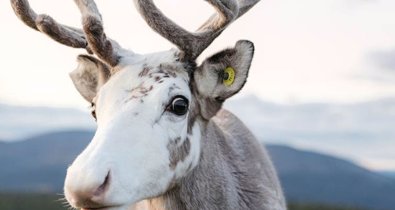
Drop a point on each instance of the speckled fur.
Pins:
(234, 172)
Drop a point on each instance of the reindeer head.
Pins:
(150, 109)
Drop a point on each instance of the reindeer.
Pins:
(162, 139)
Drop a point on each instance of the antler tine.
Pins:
(193, 44)
(228, 11)
(106, 49)
(63, 34)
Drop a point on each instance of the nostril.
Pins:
(103, 187)
(88, 192)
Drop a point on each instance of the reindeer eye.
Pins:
(178, 106)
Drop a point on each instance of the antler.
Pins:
(193, 44)
(93, 38)
(63, 34)
(104, 48)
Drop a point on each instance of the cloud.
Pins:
(383, 59)
(377, 67)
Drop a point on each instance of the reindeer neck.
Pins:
(207, 185)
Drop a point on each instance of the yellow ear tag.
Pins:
(229, 76)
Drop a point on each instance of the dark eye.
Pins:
(178, 106)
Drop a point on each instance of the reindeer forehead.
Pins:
(141, 81)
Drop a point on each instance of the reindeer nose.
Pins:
(89, 194)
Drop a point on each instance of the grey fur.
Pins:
(145, 71)
(89, 76)
(139, 92)
(233, 173)
(208, 78)
(178, 153)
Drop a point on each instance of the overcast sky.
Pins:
(331, 51)
(306, 50)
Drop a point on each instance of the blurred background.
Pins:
(321, 96)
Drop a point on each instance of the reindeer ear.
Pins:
(223, 75)
(89, 76)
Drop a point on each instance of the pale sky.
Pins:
(306, 50)
(332, 51)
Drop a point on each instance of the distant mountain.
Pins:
(20, 122)
(39, 165)
(313, 177)
(361, 131)
(390, 174)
